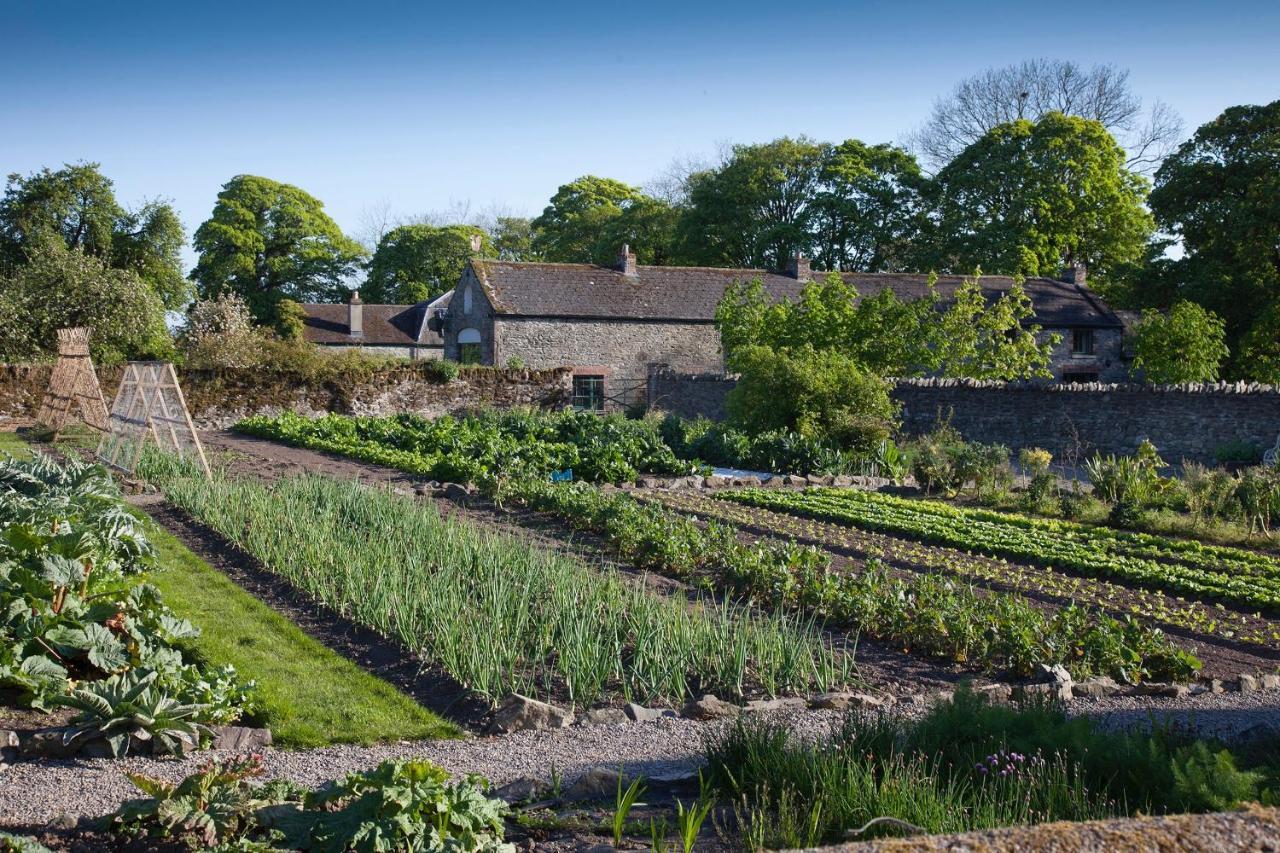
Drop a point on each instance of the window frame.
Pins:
(1087, 335)
(595, 397)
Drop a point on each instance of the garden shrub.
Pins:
(819, 394)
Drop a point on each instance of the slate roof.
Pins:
(692, 293)
(384, 325)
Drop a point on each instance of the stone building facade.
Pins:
(613, 325)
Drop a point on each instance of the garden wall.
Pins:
(220, 398)
(1183, 421)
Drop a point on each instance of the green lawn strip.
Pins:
(312, 696)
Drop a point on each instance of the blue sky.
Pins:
(419, 107)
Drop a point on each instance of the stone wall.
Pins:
(622, 350)
(1184, 421)
(220, 398)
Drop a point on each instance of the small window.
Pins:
(470, 349)
(1079, 378)
(1082, 342)
(466, 299)
(588, 393)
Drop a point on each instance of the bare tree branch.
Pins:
(1037, 86)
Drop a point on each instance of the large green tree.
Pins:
(867, 213)
(57, 287)
(77, 206)
(756, 209)
(1033, 197)
(589, 219)
(269, 241)
(1219, 195)
(415, 263)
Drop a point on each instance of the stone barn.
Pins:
(394, 330)
(610, 325)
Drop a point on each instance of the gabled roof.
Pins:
(692, 293)
(384, 325)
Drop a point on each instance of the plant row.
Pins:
(929, 615)
(496, 612)
(79, 628)
(1015, 537)
(488, 445)
(1151, 605)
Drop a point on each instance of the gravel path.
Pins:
(34, 793)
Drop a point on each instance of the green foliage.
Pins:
(1216, 195)
(589, 219)
(76, 207)
(974, 337)
(623, 803)
(512, 238)
(400, 569)
(130, 708)
(487, 446)
(777, 451)
(290, 320)
(965, 765)
(819, 394)
(1179, 566)
(268, 241)
(398, 805)
(10, 843)
(417, 263)
(1186, 345)
(57, 287)
(69, 611)
(1032, 197)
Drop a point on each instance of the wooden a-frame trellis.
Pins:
(149, 405)
(74, 393)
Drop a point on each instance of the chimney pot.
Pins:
(476, 243)
(1075, 273)
(355, 316)
(627, 261)
(798, 267)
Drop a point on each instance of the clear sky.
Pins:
(418, 107)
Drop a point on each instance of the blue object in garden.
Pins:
(565, 476)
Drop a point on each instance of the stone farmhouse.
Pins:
(395, 330)
(612, 325)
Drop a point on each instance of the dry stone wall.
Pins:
(1186, 422)
(220, 398)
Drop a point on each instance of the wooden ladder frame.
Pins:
(149, 404)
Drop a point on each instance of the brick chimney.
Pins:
(476, 242)
(355, 316)
(1075, 273)
(798, 267)
(627, 261)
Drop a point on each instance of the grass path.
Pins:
(311, 695)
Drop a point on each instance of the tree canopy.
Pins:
(76, 205)
(416, 263)
(971, 337)
(1030, 198)
(1188, 344)
(268, 241)
(1217, 194)
(588, 219)
(58, 287)
(1036, 87)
